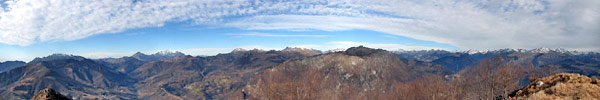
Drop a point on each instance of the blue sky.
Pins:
(115, 28)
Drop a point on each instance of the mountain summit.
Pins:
(167, 54)
(57, 56)
(361, 51)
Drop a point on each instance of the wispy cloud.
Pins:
(272, 35)
(467, 24)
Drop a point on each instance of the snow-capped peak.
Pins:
(541, 50)
(475, 51)
(169, 53)
(561, 50)
(335, 50)
(239, 50)
(166, 52)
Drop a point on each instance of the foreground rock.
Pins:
(49, 94)
(563, 86)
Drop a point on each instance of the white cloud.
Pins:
(467, 24)
(29, 21)
(272, 35)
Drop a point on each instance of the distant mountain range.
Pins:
(235, 75)
(157, 56)
(572, 61)
(430, 55)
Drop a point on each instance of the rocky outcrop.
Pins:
(362, 51)
(563, 86)
(49, 94)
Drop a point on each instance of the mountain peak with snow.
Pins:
(541, 50)
(169, 53)
(238, 50)
(335, 50)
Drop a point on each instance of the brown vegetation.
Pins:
(564, 86)
(337, 76)
(341, 77)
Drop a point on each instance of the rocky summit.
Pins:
(563, 86)
(49, 94)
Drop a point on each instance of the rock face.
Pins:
(563, 86)
(49, 94)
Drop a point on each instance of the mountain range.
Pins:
(261, 74)
(569, 61)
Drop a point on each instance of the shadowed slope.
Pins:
(78, 77)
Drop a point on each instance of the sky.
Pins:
(115, 28)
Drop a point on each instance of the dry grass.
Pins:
(563, 86)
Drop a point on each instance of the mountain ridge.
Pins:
(232, 75)
(8, 65)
